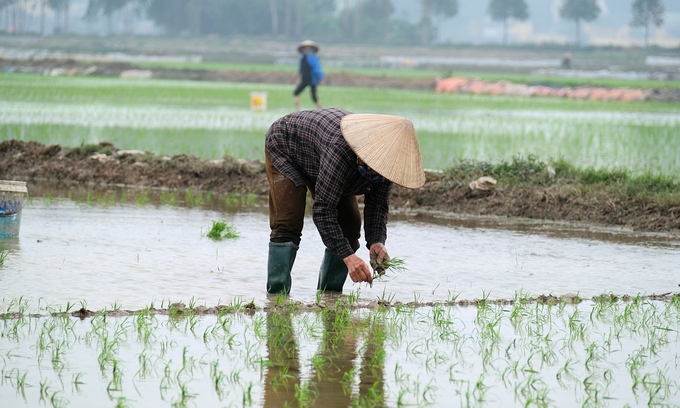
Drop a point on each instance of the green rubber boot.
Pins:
(279, 265)
(332, 274)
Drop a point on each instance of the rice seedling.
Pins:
(251, 199)
(142, 198)
(353, 296)
(184, 397)
(398, 355)
(232, 199)
(305, 393)
(168, 198)
(116, 383)
(220, 230)
(385, 299)
(47, 200)
(90, 198)
(247, 395)
(4, 254)
(192, 199)
(388, 265)
(122, 402)
(15, 379)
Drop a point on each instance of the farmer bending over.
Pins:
(337, 155)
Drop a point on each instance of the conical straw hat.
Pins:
(388, 144)
(308, 43)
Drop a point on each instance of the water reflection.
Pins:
(141, 247)
(335, 366)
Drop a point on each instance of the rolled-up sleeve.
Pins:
(376, 209)
(335, 167)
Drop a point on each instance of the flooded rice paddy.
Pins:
(125, 249)
(141, 251)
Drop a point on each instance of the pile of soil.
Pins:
(107, 165)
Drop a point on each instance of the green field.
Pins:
(212, 119)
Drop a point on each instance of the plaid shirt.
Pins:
(308, 148)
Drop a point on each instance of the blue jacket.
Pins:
(315, 66)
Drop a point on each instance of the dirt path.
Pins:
(107, 165)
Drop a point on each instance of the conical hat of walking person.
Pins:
(308, 43)
(388, 144)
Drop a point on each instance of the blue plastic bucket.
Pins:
(13, 197)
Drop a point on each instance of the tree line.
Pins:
(357, 21)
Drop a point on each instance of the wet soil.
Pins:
(334, 301)
(107, 165)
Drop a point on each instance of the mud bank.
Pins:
(107, 165)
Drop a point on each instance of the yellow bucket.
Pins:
(13, 197)
(258, 101)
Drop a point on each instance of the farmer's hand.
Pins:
(358, 270)
(378, 254)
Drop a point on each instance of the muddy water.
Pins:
(134, 255)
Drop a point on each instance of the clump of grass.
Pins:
(106, 148)
(84, 150)
(221, 230)
(531, 170)
(520, 168)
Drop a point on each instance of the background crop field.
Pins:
(213, 119)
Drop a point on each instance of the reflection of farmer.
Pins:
(309, 71)
(338, 350)
(337, 156)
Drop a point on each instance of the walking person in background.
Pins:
(309, 72)
(336, 155)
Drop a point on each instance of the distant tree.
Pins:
(105, 7)
(436, 8)
(577, 10)
(43, 6)
(274, 11)
(504, 10)
(315, 18)
(300, 6)
(293, 19)
(348, 17)
(6, 3)
(169, 14)
(195, 17)
(288, 18)
(377, 14)
(61, 8)
(645, 13)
